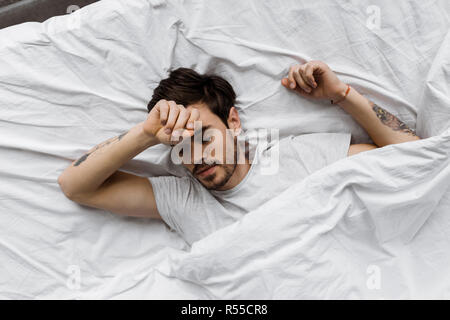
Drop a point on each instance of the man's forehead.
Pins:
(203, 109)
(199, 105)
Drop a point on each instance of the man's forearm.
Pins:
(383, 127)
(91, 170)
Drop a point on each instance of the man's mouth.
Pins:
(206, 171)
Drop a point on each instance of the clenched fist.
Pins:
(170, 122)
(315, 79)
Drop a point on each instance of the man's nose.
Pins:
(203, 160)
(197, 155)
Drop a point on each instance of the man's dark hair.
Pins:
(186, 86)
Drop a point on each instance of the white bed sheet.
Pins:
(74, 81)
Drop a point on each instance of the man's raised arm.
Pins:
(383, 127)
(94, 179)
(316, 80)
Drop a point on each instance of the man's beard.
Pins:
(229, 171)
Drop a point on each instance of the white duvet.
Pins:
(371, 226)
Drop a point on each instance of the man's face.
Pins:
(215, 164)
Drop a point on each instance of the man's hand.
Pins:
(169, 122)
(315, 80)
(95, 180)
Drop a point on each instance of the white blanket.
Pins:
(74, 81)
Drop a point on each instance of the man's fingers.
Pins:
(163, 108)
(309, 75)
(178, 129)
(302, 74)
(301, 82)
(188, 130)
(187, 133)
(195, 115)
(174, 111)
(184, 126)
(183, 117)
(292, 83)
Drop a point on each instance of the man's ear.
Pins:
(234, 122)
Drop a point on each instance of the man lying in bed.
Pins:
(215, 191)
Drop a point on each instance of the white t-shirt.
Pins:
(194, 212)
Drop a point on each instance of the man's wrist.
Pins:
(145, 139)
(340, 92)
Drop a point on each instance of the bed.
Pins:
(376, 225)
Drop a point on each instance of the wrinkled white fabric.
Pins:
(375, 225)
(74, 81)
